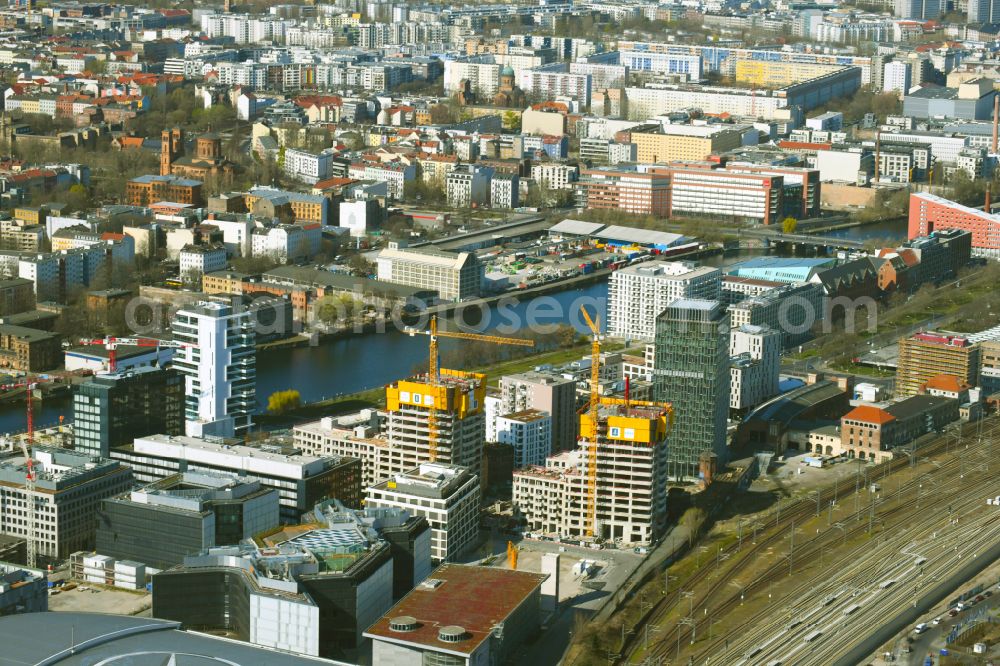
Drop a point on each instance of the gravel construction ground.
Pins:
(100, 599)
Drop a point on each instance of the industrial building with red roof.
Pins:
(477, 614)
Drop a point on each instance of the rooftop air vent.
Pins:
(403, 623)
(452, 634)
(431, 584)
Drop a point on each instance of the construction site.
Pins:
(613, 485)
(434, 417)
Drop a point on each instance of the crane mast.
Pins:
(595, 399)
(29, 484)
(434, 370)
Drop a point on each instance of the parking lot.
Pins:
(792, 476)
(100, 599)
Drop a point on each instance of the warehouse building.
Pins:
(455, 277)
(459, 617)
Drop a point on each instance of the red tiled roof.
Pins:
(948, 383)
(804, 145)
(909, 257)
(333, 182)
(305, 101)
(868, 414)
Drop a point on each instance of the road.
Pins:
(805, 239)
(932, 640)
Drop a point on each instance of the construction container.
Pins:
(99, 569)
(130, 575)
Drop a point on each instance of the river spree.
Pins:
(366, 361)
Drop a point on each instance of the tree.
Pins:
(789, 224)
(423, 192)
(253, 265)
(360, 266)
(512, 121)
(339, 309)
(443, 114)
(281, 402)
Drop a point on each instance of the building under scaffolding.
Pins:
(442, 421)
(626, 455)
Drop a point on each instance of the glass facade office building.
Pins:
(111, 410)
(691, 371)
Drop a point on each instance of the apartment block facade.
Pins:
(929, 212)
(219, 364)
(399, 439)
(755, 362)
(446, 495)
(546, 392)
(629, 448)
(529, 433)
(638, 294)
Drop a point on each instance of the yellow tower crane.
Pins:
(595, 399)
(433, 375)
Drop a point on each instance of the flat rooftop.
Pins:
(446, 600)
(684, 270)
(430, 479)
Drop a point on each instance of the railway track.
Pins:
(719, 599)
(865, 573)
